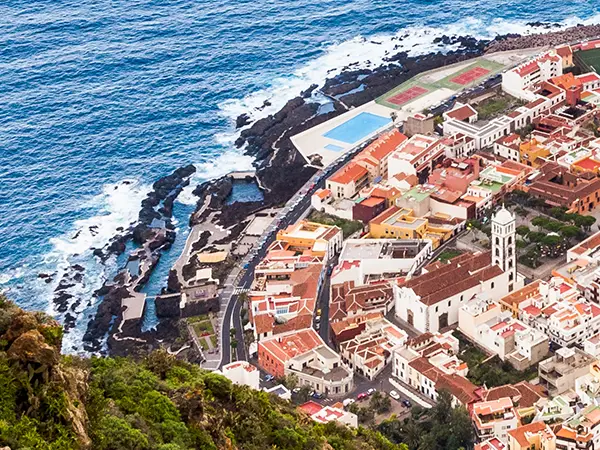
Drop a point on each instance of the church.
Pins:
(430, 302)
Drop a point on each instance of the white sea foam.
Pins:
(370, 52)
(115, 209)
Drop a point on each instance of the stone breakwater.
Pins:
(553, 38)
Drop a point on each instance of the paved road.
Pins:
(297, 206)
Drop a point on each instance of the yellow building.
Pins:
(534, 436)
(531, 151)
(311, 238)
(400, 223)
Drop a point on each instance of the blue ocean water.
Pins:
(98, 92)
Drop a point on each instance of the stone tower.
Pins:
(503, 244)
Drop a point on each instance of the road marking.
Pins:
(240, 290)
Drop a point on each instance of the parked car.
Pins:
(394, 395)
(317, 319)
(362, 395)
(317, 326)
(371, 391)
(316, 395)
(406, 403)
(269, 378)
(347, 402)
(296, 390)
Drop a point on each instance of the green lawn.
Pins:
(203, 327)
(348, 227)
(589, 59)
(448, 254)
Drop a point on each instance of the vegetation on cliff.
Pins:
(49, 401)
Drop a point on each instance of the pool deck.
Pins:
(313, 141)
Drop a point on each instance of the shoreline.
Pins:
(280, 169)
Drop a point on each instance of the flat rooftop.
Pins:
(358, 249)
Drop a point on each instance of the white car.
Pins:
(348, 402)
(371, 391)
(394, 395)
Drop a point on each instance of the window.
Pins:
(492, 285)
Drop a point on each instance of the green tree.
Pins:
(569, 231)
(291, 381)
(232, 332)
(441, 411)
(539, 221)
(116, 433)
(234, 343)
(523, 230)
(412, 434)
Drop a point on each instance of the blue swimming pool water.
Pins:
(357, 128)
(334, 148)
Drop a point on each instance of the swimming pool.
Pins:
(357, 128)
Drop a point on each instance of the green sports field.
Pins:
(588, 60)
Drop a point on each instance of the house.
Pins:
(536, 435)
(533, 153)
(429, 364)
(491, 444)
(458, 146)
(559, 372)
(419, 124)
(418, 155)
(310, 238)
(370, 350)
(556, 309)
(527, 398)
(587, 387)
(304, 354)
(325, 414)
(283, 294)
(347, 181)
(494, 418)
(509, 147)
(242, 373)
(348, 300)
(462, 112)
(379, 257)
(566, 53)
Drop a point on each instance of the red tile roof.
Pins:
(459, 274)
(462, 113)
(351, 172)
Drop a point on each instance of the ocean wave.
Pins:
(371, 52)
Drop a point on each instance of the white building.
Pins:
(377, 257)
(518, 81)
(494, 418)
(509, 147)
(243, 373)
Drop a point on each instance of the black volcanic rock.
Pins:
(242, 120)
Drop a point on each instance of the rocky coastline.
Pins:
(153, 233)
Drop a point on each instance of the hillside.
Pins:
(50, 401)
